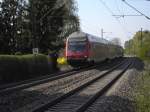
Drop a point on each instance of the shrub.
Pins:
(16, 67)
(142, 91)
(18, 53)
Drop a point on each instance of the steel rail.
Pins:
(45, 107)
(29, 83)
(44, 79)
(101, 92)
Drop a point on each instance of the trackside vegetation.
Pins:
(142, 92)
(139, 46)
(16, 68)
(34, 24)
(42, 24)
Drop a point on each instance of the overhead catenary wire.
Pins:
(123, 15)
(121, 12)
(136, 9)
(111, 12)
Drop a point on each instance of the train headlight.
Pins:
(85, 56)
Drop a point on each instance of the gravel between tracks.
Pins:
(120, 97)
(27, 99)
(73, 102)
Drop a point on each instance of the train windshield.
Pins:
(77, 46)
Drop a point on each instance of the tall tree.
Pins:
(10, 16)
(8, 10)
(139, 45)
(26, 24)
(116, 41)
(48, 22)
(71, 19)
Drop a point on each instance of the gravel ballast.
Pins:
(120, 97)
(28, 99)
(72, 103)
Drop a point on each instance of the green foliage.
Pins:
(18, 53)
(15, 68)
(139, 45)
(36, 23)
(142, 92)
(11, 11)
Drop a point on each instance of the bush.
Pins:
(18, 53)
(16, 68)
(142, 91)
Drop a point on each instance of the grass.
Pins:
(142, 93)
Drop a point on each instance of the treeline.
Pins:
(139, 45)
(43, 24)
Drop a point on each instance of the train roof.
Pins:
(90, 37)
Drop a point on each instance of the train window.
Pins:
(77, 40)
(77, 46)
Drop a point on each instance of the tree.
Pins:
(72, 23)
(11, 11)
(26, 24)
(49, 20)
(116, 41)
(139, 45)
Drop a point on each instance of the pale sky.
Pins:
(94, 16)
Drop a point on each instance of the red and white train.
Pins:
(82, 47)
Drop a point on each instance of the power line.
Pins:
(124, 21)
(140, 0)
(106, 7)
(136, 9)
(123, 15)
(109, 10)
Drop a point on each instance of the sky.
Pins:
(94, 16)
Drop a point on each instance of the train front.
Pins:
(77, 50)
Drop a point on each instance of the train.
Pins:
(84, 48)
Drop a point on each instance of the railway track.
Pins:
(80, 98)
(9, 88)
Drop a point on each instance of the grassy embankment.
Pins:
(142, 92)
